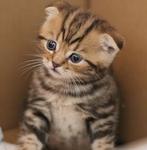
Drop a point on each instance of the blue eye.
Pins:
(75, 58)
(51, 45)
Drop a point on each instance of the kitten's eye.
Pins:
(51, 45)
(75, 58)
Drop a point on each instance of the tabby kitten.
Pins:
(73, 103)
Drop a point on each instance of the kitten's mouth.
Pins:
(55, 70)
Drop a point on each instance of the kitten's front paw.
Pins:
(99, 145)
(29, 142)
(27, 147)
(104, 148)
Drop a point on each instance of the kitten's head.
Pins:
(75, 42)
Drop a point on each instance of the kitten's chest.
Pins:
(68, 127)
(67, 120)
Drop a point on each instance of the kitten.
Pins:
(73, 102)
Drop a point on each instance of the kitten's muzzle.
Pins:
(55, 65)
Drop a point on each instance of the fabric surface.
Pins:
(7, 146)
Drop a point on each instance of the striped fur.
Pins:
(75, 106)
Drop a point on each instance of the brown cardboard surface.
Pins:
(19, 23)
(11, 136)
(131, 65)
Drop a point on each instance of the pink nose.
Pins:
(55, 65)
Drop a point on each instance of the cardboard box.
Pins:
(20, 21)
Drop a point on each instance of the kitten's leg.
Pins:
(102, 131)
(35, 127)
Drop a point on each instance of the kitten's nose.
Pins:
(55, 65)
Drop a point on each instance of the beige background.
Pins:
(19, 22)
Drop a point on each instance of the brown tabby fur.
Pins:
(74, 107)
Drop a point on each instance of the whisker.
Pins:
(29, 65)
(79, 79)
(29, 70)
(33, 55)
(30, 60)
(26, 63)
(28, 74)
(74, 82)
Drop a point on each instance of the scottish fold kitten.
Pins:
(73, 99)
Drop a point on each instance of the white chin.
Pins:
(60, 73)
(54, 73)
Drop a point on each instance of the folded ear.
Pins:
(51, 11)
(57, 7)
(118, 39)
(107, 43)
